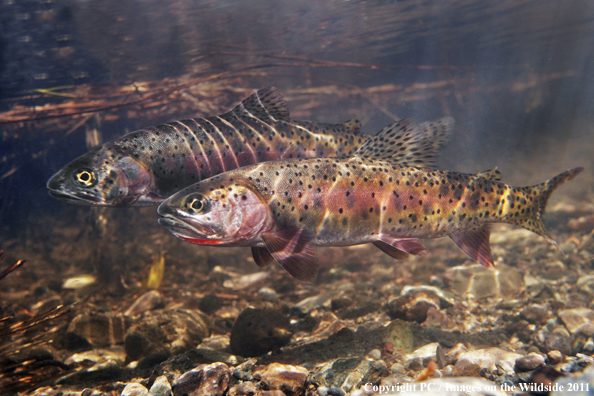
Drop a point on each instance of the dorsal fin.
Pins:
(406, 143)
(267, 103)
(491, 174)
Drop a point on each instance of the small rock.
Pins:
(161, 387)
(149, 300)
(529, 362)
(204, 380)
(557, 339)
(399, 334)
(164, 333)
(97, 355)
(289, 379)
(536, 314)
(486, 358)
(375, 354)
(340, 303)
(258, 331)
(134, 389)
(555, 357)
(427, 351)
(210, 303)
(575, 318)
(246, 388)
(313, 302)
(268, 294)
(245, 281)
(413, 305)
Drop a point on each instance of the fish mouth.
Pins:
(82, 198)
(203, 236)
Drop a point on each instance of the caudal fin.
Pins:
(532, 220)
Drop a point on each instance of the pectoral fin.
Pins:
(400, 248)
(292, 249)
(475, 243)
(262, 256)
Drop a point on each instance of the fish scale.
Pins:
(144, 167)
(387, 193)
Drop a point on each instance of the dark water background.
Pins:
(518, 75)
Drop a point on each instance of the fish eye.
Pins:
(85, 177)
(197, 204)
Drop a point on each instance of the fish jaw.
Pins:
(233, 216)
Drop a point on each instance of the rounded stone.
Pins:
(375, 354)
(555, 357)
(529, 362)
(258, 331)
(134, 389)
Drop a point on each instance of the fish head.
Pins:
(102, 177)
(211, 213)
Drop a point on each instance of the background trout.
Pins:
(283, 209)
(146, 166)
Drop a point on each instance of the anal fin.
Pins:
(292, 249)
(475, 243)
(400, 248)
(262, 256)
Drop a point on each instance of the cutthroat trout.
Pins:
(283, 209)
(146, 166)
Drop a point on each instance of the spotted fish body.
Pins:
(282, 209)
(144, 167)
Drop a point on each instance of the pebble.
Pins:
(555, 357)
(245, 281)
(258, 331)
(324, 391)
(148, 301)
(536, 314)
(205, 380)
(375, 354)
(576, 318)
(529, 362)
(289, 379)
(161, 387)
(427, 351)
(268, 294)
(413, 306)
(556, 339)
(97, 355)
(246, 388)
(164, 333)
(134, 389)
(399, 334)
(487, 358)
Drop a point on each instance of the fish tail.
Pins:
(541, 193)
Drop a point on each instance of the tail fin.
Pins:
(541, 193)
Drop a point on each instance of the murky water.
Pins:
(515, 75)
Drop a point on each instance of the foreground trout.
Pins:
(283, 209)
(146, 166)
